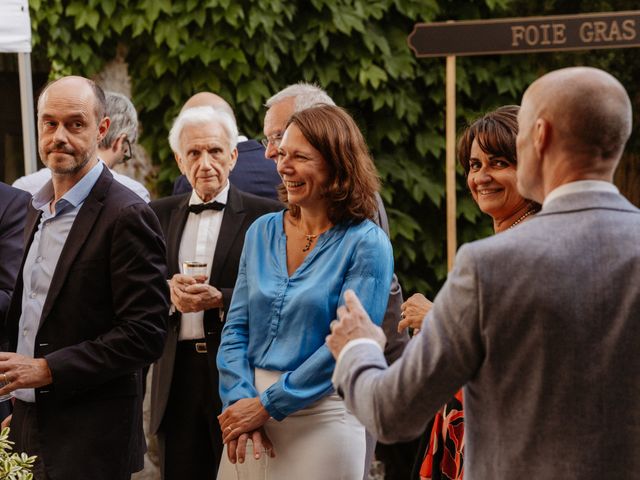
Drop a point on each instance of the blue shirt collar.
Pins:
(75, 196)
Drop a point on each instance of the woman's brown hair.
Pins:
(353, 179)
(496, 135)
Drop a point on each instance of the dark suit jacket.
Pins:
(103, 320)
(241, 210)
(253, 173)
(13, 210)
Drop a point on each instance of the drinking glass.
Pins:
(6, 396)
(195, 269)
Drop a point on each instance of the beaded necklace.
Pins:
(526, 214)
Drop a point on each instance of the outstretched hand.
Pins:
(353, 322)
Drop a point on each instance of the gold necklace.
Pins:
(526, 214)
(310, 238)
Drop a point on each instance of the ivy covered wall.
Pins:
(246, 50)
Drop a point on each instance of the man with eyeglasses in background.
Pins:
(252, 174)
(115, 147)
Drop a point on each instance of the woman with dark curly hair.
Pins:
(487, 152)
(275, 368)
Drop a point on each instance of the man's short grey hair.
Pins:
(124, 119)
(306, 95)
(199, 116)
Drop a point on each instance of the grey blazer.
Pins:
(541, 324)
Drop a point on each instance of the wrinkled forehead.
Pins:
(203, 134)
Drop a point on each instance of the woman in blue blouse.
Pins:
(275, 368)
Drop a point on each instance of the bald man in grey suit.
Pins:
(540, 324)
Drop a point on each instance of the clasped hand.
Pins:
(193, 294)
(241, 421)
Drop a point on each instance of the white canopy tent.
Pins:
(15, 37)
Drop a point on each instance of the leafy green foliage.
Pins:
(246, 50)
(13, 466)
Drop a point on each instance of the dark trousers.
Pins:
(24, 433)
(190, 439)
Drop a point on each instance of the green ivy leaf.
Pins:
(374, 75)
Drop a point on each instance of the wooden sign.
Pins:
(526, 35)
(505, 36)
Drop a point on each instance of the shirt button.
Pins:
(25, 332)
(32, 295)
(38, 260)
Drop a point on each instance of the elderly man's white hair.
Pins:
(306, 95)
(199, 116)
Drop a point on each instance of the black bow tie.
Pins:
(198, 208)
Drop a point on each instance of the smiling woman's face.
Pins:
(303, 170)
(492, 181)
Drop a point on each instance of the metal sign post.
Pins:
(508, 36)
(451, 159)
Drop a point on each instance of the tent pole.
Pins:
(26, 107)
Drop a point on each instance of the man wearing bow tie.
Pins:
(206, 226)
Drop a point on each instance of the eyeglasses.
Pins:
(274, 140)
(127, 152)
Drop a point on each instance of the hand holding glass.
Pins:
(198, 270)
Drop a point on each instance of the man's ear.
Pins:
(234, 158)
(103, 128)
(542, 136)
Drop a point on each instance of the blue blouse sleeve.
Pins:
(369, 275)
(235, 373)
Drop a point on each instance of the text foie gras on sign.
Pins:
(526, 35)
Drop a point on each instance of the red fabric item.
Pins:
(445, 454)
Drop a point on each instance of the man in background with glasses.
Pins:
(115, 147)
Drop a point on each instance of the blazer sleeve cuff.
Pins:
(343, 361)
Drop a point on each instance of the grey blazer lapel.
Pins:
(77, 237)
(231, 223)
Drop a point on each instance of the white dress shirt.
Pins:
(198, 244)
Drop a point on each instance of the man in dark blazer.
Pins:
(252, 172)
(13, 210)
(541, 323)
(207, 226)
(90, 305)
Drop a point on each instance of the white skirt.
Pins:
(323, 441)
